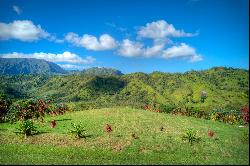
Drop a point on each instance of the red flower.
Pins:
(108, 128)
(210, 133)
(53, 124)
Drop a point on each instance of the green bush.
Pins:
(167, 108)
(191, 136)
(78, 130)
(27, 128)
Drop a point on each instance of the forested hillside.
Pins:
(13, 66)
(218, 87)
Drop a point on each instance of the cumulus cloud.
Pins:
(22, 30)
(17, 9)
(64, 57)
(161, 29)
(130, 49)
(182, 51)
(154, 50)
(105, 41)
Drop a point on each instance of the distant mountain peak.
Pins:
(12, 66)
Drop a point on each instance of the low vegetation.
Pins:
(132, 136)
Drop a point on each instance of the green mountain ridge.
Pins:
(225, 87)
(13, 66)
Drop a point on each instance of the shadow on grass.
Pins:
(63, 119)
(37, 133)
(41, 132)
(84, 136)
(3, 129)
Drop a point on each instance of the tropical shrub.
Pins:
(229, 118)
(78, 130)
(27, 128)
(53, 124)
(191, 136)
(167, 108)
(245, 114)
(4, 106)
(34, 108)
(108, 128)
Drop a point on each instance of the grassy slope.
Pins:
(153, 146)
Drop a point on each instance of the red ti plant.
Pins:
(53, 124)
(108, 128)
(245, 114)
(210, 133)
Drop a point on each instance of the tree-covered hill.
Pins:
(222, 87)
(13, 66)
(217, 87)
(98, 71)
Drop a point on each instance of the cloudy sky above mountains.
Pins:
(162, 35)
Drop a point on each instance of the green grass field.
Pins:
(158, 140)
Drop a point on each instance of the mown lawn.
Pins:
(158, 140)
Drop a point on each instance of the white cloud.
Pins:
(154, 50)
(182, 51)
(17, 9)
(161, 29)
(22, 30)
(70, 66)
(105, 41)
(130, 48)
(64, 57)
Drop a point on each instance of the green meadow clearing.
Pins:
(138, 137)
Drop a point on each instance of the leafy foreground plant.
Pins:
(191, 137)
(27, 128)
(78, 130)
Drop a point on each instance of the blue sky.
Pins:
(129, 35)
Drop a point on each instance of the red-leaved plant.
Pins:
(210, 133)
(245, 114)
(53, 124)
(108, 128)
